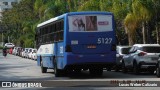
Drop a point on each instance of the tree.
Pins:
(130, 23)
(156, 9)
(143, 14)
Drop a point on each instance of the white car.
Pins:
(34, 57)
(141, 57)
(32, 54)
(23, 52)
(27, 52)
(121, 51)
(14, 51)
(9, 45)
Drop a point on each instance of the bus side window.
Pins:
(61, 35)
(62, 25)
(61, 30)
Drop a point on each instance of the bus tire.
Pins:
(96, 72)
(43, 69)
(57, 71)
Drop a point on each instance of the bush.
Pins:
(1, 47)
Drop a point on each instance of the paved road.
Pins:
(14, 68)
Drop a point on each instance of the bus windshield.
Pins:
(90, 23)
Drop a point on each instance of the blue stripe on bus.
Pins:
(44, 54)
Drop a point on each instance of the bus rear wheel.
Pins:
(96, 72)
(57, 71)
(43, 69)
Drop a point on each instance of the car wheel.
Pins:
(43, 69)
(158, 71)
(135, 68)
(124, 69)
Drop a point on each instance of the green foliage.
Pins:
(1, 47)
(20, 22)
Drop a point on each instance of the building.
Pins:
(7, 4)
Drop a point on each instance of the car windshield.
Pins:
(26, 50)
(151, 49)
(34, 51)
(9, 44)
(125, 50)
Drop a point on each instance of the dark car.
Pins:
(158, 68)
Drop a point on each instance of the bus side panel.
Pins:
(38, 60)
(60, 55)
(46, 53)
(47, 61)
(91, 58)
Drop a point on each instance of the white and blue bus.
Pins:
(77, 41)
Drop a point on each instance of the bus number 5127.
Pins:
(104, 40)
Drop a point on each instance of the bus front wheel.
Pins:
(43, 69)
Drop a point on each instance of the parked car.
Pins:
(14, 51)
(21, 52)
(121, 51)
(28, 50)
(31, 54)
(141, 57)
(34, 57)
(158, 68)
(24, 52)
(9, 45)
(17, 51)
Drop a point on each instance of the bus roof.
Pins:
(50, 20)
(72, 13)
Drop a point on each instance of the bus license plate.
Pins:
(91, 46)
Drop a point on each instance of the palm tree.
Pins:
(130, 23)
(156, 9)
(142, 13)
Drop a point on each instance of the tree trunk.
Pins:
(144, 32)
(130, 39)
(157, 31)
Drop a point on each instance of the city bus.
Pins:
(77, 41)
